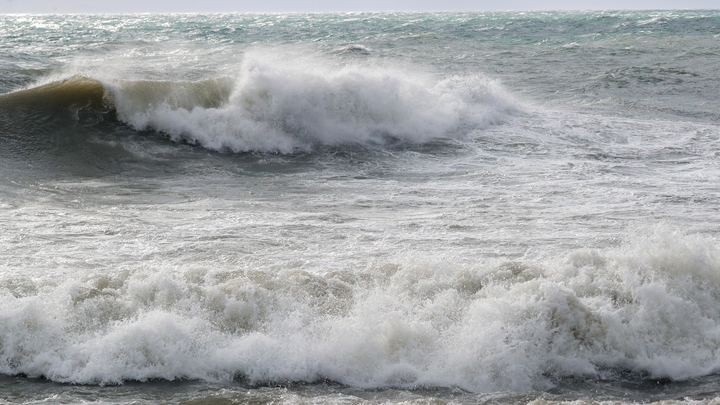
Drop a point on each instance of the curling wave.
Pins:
(276, 106)
(283, 107)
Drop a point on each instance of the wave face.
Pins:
(64, 93)
(650, 307)
(276, 105)
(50, 107)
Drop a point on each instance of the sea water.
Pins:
(437, 208)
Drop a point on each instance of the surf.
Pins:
(648, 308)
(283, 106)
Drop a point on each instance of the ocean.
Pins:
(517, 208)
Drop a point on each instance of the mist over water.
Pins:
(460, 208)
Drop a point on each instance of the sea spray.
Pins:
(281, 106)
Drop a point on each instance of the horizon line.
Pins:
(360, 12)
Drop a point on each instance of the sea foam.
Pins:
(649, 307)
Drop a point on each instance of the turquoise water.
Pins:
(352, 208)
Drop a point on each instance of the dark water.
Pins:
(629, 390)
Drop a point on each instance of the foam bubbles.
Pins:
(650, 307)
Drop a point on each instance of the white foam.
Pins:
(283, 105)
(651, 307)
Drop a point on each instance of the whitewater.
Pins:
(516, 207)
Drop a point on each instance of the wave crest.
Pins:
(283, 107)
(275, 105)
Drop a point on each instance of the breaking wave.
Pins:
(650, 307)
(277, 106)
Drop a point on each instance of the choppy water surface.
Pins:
(387, 208)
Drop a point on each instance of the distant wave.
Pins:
(286, 106)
